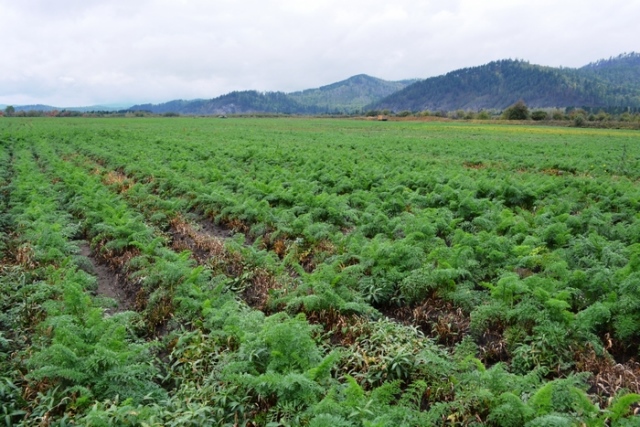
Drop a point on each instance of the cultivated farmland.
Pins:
(317, 272)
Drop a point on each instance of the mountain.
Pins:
(34, 107)
(612, 84)
(496, 85)
(349, 95)
(42, 107)
(242, 102)
(623, 70)
(345, 96)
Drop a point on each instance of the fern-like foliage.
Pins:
(93, 352)
(510, 411)
(620, 408)
(552, 420)
(284, 345)
(563, 396)
(329, 420)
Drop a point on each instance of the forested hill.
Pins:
(623, 70)
(43, 107)
(349, 95)
(608, 83)
(342, 97)
(242, 102)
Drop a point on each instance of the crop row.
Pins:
(397, 235)
(63, 352)
(127, 186)
(87, 360)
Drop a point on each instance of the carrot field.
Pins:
(317, 272)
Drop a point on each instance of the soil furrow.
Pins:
(110, 283)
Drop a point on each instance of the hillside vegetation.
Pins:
(241, 102)
(623, 70)
(606, 84)
(342, 97)
(349, 95)
(610, 83)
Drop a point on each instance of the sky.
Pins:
(100, 52)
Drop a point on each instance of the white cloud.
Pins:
(74, 52)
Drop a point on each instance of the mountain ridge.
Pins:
(604, 83)
(613, 82)
(496, 85)
(343, 97)
(47, 108)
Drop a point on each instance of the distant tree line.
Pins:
(575, 116)
(584, 116)
(11, 111)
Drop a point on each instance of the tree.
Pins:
(9, 110)
(518, 111)
(539, 115)
(484, 115)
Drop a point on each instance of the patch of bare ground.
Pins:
(308, 256)
(214, 230)
(556, 172)
(205, 240)
(436, 318)
(110, 283)
(206, 244)
(227, 228)
(448, 325)
(474, 165)
(609, 376)
(119, 180)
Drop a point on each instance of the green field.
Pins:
(317, 272)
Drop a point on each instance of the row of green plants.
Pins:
(400, 362)
(479, 226)
(533, 322)
(496, 257)
(280, 382)
(60, 353)
(378, 222)
(88, 372)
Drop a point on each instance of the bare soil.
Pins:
(205, 240)
(436, 318)
(214, 230)
(110, 284)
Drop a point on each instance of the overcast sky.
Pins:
(87, 52)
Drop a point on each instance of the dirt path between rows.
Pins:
(109, 283)
(214, 230)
